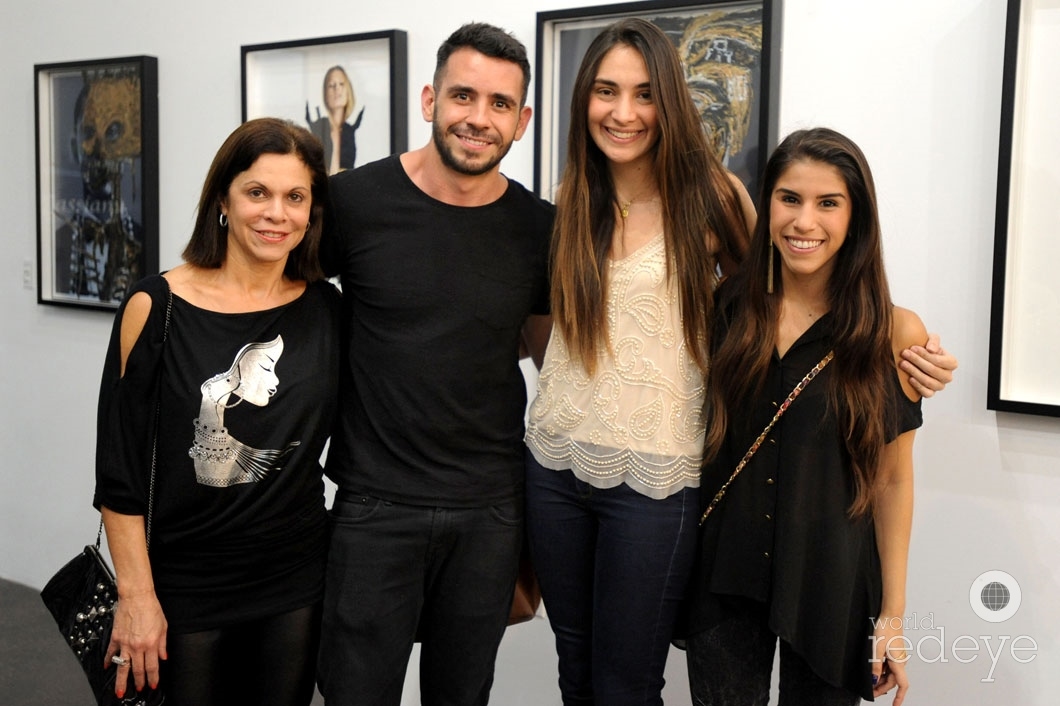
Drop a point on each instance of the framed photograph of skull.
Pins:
(730, 51)
(350, 91)
(97, 179)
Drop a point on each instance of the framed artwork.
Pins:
(97, 179)
(1025, 307)
(350, 91)
(731, 55)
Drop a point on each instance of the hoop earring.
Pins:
(223, 220)
(769, 277)
(307, 224)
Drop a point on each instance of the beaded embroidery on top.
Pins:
(639, 420)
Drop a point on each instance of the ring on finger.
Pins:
(120, 661)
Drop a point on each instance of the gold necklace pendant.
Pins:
(625, 209)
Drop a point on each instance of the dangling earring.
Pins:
(769, 277)
(223, 220)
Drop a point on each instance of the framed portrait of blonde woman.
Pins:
(350, 91)
(730, 51)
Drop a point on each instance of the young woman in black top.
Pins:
(809, 543)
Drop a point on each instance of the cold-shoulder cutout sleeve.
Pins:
(128, 398)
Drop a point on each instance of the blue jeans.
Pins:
(397, 573)
(613, 566)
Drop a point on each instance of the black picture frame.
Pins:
(97, 179)
(708, 35)
(286, 80)
(1025, 297)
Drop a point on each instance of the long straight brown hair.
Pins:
(699, 201)
(860, 301)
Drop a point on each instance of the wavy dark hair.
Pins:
(859, 299)
(209, 241)
(700, 203)
(489, 40)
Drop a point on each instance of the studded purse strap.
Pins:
(765, 432)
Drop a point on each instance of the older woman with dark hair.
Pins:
(225, 608)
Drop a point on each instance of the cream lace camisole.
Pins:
(639, 419)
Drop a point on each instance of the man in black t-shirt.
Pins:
(444, 264)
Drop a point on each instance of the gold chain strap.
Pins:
(765, 432)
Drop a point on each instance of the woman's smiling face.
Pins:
(268, 209)
(809, 214)
(623, 119)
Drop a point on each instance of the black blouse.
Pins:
(782, 536)
(245, 405)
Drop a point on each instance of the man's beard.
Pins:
(462, 166)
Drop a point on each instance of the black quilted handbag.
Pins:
(81, 597)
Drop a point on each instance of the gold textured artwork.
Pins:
(720, 51)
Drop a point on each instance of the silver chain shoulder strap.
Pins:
(154, 443)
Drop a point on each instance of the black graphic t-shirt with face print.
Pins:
(245, 405)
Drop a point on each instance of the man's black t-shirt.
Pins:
(435, 296)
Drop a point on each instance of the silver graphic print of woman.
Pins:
(220, 460)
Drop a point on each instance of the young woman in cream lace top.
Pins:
(645, 216)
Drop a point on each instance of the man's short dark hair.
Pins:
(489, 40)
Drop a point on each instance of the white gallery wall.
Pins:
(916, 83)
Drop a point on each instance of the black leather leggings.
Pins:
(270, 661)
